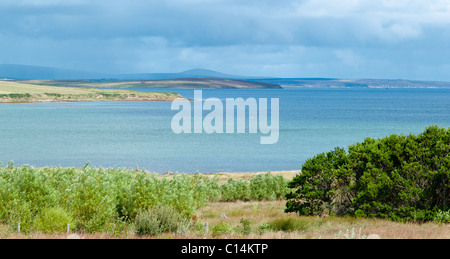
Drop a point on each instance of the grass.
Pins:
(18, 92)
(267, 220)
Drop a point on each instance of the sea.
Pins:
(119, 134)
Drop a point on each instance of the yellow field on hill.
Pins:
(17, 92)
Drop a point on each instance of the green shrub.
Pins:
(91, 200)
(23, 193)
(19, 95)
(442, 217)
(397, 177)
(53, 94)
(20, 213)
(260, 187)
(110, 95)
(263, 228)
(221, 229)
(160, 220)
(288, 224)
(235, 190)
(51, 220)
(245, 229)
(268, 187)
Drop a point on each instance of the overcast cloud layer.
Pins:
(283, 38)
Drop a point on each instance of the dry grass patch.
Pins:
(270, 215)
(267, 220)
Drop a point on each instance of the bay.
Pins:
(126, 134)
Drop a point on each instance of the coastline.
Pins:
(74, 100)
(12, 92)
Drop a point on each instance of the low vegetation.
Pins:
(158, 220)
(97, 199)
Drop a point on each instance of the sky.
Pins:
(390, 39)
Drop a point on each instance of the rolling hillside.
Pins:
(186, 83)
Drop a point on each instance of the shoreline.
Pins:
(74, 100)
(12, 92)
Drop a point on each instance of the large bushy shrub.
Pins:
(397, 177)
(51, 220)
(159, 220)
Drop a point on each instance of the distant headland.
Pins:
(12, 91)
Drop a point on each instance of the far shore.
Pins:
(75, 100)
(12, 92)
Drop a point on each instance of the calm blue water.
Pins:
(124, 134)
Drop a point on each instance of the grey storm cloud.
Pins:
(346, 38)
(183, 22)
